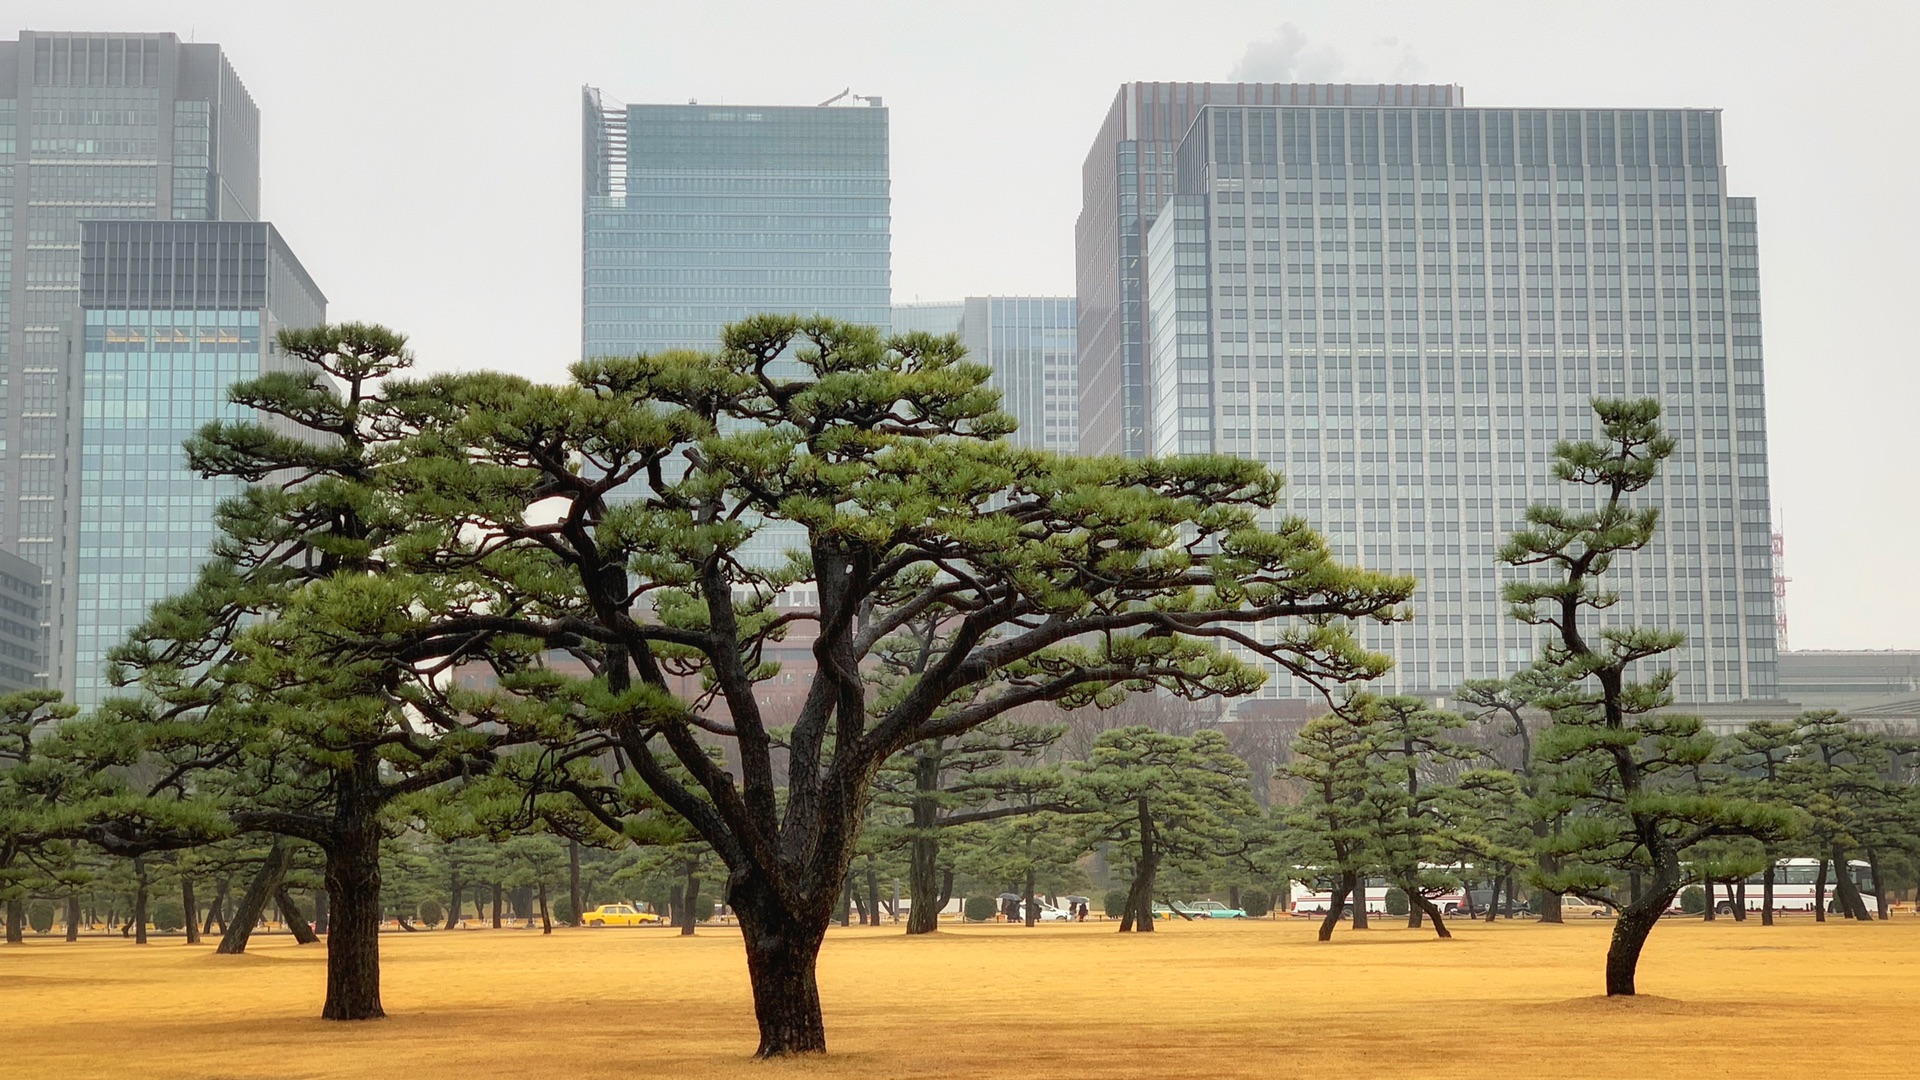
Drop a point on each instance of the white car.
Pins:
(1043, 912)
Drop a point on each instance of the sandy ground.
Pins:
(1193, 1000)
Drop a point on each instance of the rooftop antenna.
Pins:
(835, 98)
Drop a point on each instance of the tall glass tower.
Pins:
(1403, 309)
(1028, 342)
(174, 313)
(1127, 178)
(695, 216)
(92, 127)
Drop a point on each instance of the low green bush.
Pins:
(1693, 900)
(1256, 902)
(1396, 902)
(166, 915)
(40, 916)
(431, 913)
(1114, 902)
(980, 908)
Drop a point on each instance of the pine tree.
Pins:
(1616, 751)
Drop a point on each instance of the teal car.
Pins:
(1213, 909)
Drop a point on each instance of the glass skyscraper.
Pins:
(174, 313)
(1127, 178)
(695, 216)
(94, 127)
(23, 635)
(1403, 309)
(1028, 341)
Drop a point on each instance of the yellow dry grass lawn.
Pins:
(1080, 1001)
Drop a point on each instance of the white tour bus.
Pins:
(1311, 896)
(1793, 887)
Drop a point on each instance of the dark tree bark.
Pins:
(213, 908)
(457, 889)
(1339, 901)
(1630, 932)
(873, 892)
(1032, 909)
(1707, 913)
(1139, 913)
(140, 900)
(499, 895)
(1766, 896)
(573, 878)
(923, 917)
(1423, 903)
(246, 915)
(546, 918)
(16, 922)
(782, 949)
(73, 917)
(353, 885)
(1879, 886)
(191, 906)
(1740, 900)
(691, 892)
(1820, 893)
(1493, 899)
(290, 913)
(1360, 916)
(1549, 865)
(1845, 891)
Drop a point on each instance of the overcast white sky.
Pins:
(424, 158)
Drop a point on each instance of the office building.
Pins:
(1403, 309)
(1126, 179)
(1028, 342)
(23, 630)
(174, 313)
(929, 316)
(99, 127)
(695, 216)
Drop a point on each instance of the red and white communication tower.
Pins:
(1780, 580)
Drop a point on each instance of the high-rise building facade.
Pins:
(1128, 176)
(695, 216)
(99, 127)
(173, 313)
(23, 632)
(1403, 309)
(1028, 342)
(928, 316)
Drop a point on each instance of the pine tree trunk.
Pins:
(1879, 886)
(1361, 920)
(573, 878)
(1032, 909)
(73, 917)
(1139, 917)
(691, 894)
(1630, 932)
(1339, 901)
(16, 921)
(1766, 896)
(353, 886)
(873, 892)
(1493, 899)
(1416, 900)
(498, 898)
(190, 905)
(782, 953)
(140, 900)
(1845, 891)
(290, 914)
(213, 908)
(1707, 912)
(1820, 893)
(923, 853)
(1740, 900)
(546, 919)
(246, 916)
(1549, 865)
(458, 889)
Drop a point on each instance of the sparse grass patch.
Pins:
(1215, 1000)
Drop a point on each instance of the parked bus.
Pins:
(1312, 895)
(1793, 887)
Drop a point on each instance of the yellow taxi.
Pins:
(618, 915)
